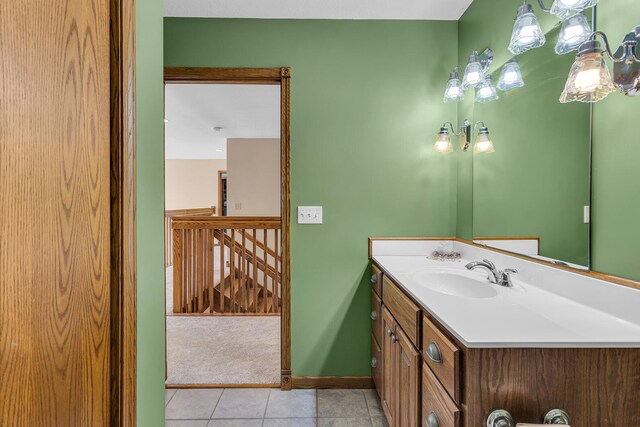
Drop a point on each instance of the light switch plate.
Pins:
(587, 214)
(309, 214)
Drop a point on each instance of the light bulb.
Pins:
(473, 74)
(589, 79)
(483, 144)
(575, 31)
(565, 8)
(443, 142)
(527, 33)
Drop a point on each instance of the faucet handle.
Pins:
(505, 277)
(489, 263)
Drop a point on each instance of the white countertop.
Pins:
(528, 315)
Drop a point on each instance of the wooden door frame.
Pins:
(122, 326)
(270, 76)
(220, 198)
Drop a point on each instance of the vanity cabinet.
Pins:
(426, 377)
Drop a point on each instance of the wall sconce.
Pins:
(527, 33)
(483, 144)
(474, 74)
(590, 80)
(486, 91)
(574, 32)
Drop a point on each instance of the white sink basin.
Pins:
(459, 284)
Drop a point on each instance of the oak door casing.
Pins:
(55, 213)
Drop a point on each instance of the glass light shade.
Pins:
(575, 31)
(443, 142)
(484, 144)
(486, 91)
(454, 91)
(527, 33)
(510, 77)
(565, 8)
(473, 74)
(589, 79)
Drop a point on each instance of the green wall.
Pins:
(150, 214)
(365, 107)
(537, 181)
(616, 160)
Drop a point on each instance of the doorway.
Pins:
(227, 242)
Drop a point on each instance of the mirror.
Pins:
(532, 195)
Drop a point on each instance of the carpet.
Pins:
(223, 350)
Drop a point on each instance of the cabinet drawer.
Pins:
(403, 310)
(376, 280)
(376, 317)
(376, 365)
(436, 403)
(442, 356)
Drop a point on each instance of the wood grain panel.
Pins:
(597, 387)
(376, 279)
(406, 313)
(408, 382)
(376, 317)
(435, 399)
(55, 208)
(376, 365)
(388, 392)
(447, 371)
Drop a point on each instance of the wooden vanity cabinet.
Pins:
(598, 387)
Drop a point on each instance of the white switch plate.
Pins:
(587, 214)
(309, 214)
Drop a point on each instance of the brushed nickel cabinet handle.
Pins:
(374, 278)
(389, 332)
(374, 315)
(500, 418)
(394, 338)
(374, 362)
(433, 352)
(433, 420)
(557, 416)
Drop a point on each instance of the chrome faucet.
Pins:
(498, 277)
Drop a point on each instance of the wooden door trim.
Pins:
(275, 76)
(123, 218)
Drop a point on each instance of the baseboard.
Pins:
(222, 386)
(332, 382)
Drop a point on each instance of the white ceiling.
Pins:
(319, 9)
(192, 110)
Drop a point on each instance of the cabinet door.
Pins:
(388, 366)
(407, 382)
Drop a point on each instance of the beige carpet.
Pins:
(222, 349)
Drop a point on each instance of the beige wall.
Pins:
(192, 183)
(253, 177)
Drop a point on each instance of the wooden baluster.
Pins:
(199, 269)
(255, 272)
(265, 288)
(276, 280)
(211, 268)
(245, 291)
(187, 257)
(177, 272)
(232, 258)
(221, 285)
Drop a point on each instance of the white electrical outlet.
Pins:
(309, 214)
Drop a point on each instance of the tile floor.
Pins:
(272, 408)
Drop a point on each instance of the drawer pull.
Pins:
(433, 352)
(557, 416)
(500, 418)
(433, 420)
(394, 338)
(374, 362)
(389, 332)
(374, 278)
(374, 315)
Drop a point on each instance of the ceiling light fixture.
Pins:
(511, 76)
(216, 128)
(590, 80)
(527, 33)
